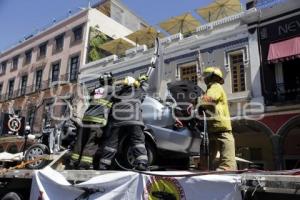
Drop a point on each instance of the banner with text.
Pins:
(49, 184)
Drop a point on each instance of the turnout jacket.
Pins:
(100, 106)
(127, 107)
(95, 117)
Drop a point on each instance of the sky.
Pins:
(21, 18)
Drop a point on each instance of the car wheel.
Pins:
(36, 150)
(127, 158)
(11, 196)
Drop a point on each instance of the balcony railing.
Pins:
(267, 3)
(65, 78)
(284, 94)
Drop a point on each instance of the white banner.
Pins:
(49, 184)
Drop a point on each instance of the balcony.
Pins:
(69, 77)
(284, 94)
(267, 3)
(63, 79)
(10, 95)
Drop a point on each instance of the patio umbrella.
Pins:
(145, 36)
(219, 9)
(180, 24)
(117, 46)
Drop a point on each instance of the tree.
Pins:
(97, 38)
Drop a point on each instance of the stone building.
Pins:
(44, 67)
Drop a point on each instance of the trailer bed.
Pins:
(262, 185)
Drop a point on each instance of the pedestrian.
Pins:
(221, 139)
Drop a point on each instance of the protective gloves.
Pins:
(130, 81)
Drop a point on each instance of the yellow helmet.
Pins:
(214, 70)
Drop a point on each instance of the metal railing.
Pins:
(267, 3)
(284, 93)
(65, 78)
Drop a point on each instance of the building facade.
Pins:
(261, 81)
(278, 31)
(226, 43)
(262, 91)
(45, 67)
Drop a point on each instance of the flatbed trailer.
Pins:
(258, 186)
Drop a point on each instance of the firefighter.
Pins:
(215, 103)
(93, 121)
(125, 117)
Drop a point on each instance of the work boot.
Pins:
(141, 167)
(103, 166)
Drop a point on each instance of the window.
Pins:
(38, 79)
(11, 84)
(43, 50)
(77, 34)
(1, 88)
(59, 43)
(15, 63)
(237, 72)
(3, 67)
(30, 116)
(23, 85)
(46, 115)
(118, 14)
(65, 111)
(74, 63)
(28, 55)
(55, 72)
(188, 71)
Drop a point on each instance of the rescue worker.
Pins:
(125, 118)
(93, 121)
(215, 103)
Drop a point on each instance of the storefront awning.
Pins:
(285, 50)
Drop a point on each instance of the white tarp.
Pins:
(10, 157)
(49, 184)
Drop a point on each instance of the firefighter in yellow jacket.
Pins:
(219, 124)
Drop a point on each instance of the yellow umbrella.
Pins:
(117, 46)
(145, 36)
(180, 24)
(220, 9)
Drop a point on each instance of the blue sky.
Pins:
(20, 18)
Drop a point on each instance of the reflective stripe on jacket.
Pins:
(86, 159)
(99, 108)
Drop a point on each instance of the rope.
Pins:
(23, 164)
